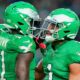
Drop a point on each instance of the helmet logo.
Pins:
(62, 18)
(29, 12)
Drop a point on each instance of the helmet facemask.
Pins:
(48, 29)
(52, 30)
(35, 27)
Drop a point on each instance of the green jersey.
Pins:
(10, 47)
(56, 62)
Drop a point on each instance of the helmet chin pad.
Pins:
(49, 38)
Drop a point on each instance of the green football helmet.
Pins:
(21, 16)
(65, 22)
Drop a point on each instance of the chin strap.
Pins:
(40, 44)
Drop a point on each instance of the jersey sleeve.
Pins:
(23, 45)
(26, 44)
(74, 57)
(71, 51)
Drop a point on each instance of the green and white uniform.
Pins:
(56, 62)
(10, 47)
(19, 16)
(60, 24)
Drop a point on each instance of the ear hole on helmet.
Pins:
(20, 23)
(67, 31)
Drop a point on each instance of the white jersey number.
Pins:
(49, 66)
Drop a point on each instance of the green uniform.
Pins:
(10, 47)
(56, 62)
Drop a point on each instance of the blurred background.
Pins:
(44, 8)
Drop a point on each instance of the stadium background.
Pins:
(44, 7)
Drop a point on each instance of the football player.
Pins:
(17, 47)
(61, 57)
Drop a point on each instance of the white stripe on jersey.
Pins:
(3, 66)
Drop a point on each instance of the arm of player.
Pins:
(22, 66)
(39, 72)
(74, 71)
